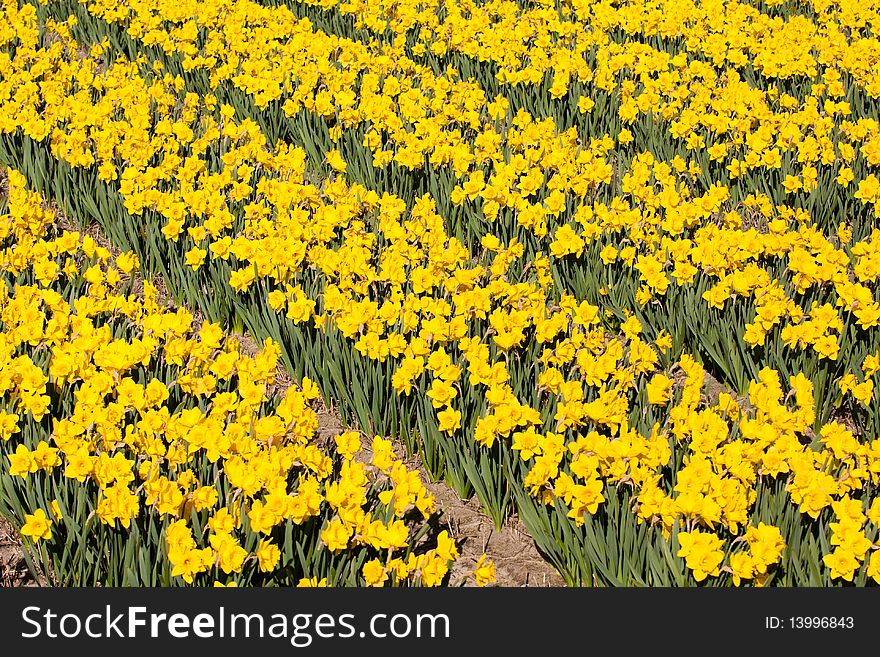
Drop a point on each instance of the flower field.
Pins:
(610, 268)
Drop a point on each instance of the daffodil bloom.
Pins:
(484, 571)
(841, 564)
(37, 526)
(374, 573)
(702, 553)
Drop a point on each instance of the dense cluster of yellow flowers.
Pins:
(527, 40)
(733, 169)
(416, 117)
(158, 417)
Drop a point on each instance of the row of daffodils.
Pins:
(606, 275)
(143, 448)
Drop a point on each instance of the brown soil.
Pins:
(13, 568)
(517, 561)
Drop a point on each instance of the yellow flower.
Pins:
(348, 444)
(204, 497)
(312, 582)
(484, 571)
(262, 518)
(8, 425)
(441, 393)
(450, 419)
(446, 547)
(230, 555)
(374, 573)
(765, 544)
(336, 535)
(874, 566)
(741, 566)
(277, 300)
(195, 257)
(383, 453)
(841, 563)
(268, 555)
(241, 279)
(37, 526)
(334, 159)
(190, 562)
(22, 462)
(222, 522)
(631, 327)
(702, 552)
(585, 104)
(608, 254)
(658, 389)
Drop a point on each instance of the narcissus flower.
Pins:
(449, 419)
(334, 159)
(841, 563)
(702, 552)
(37, 526)
(374, 573)
(484, 571)
(268, 556)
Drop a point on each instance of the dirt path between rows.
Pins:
(516, 558)
(517, 562)
(13, 569)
